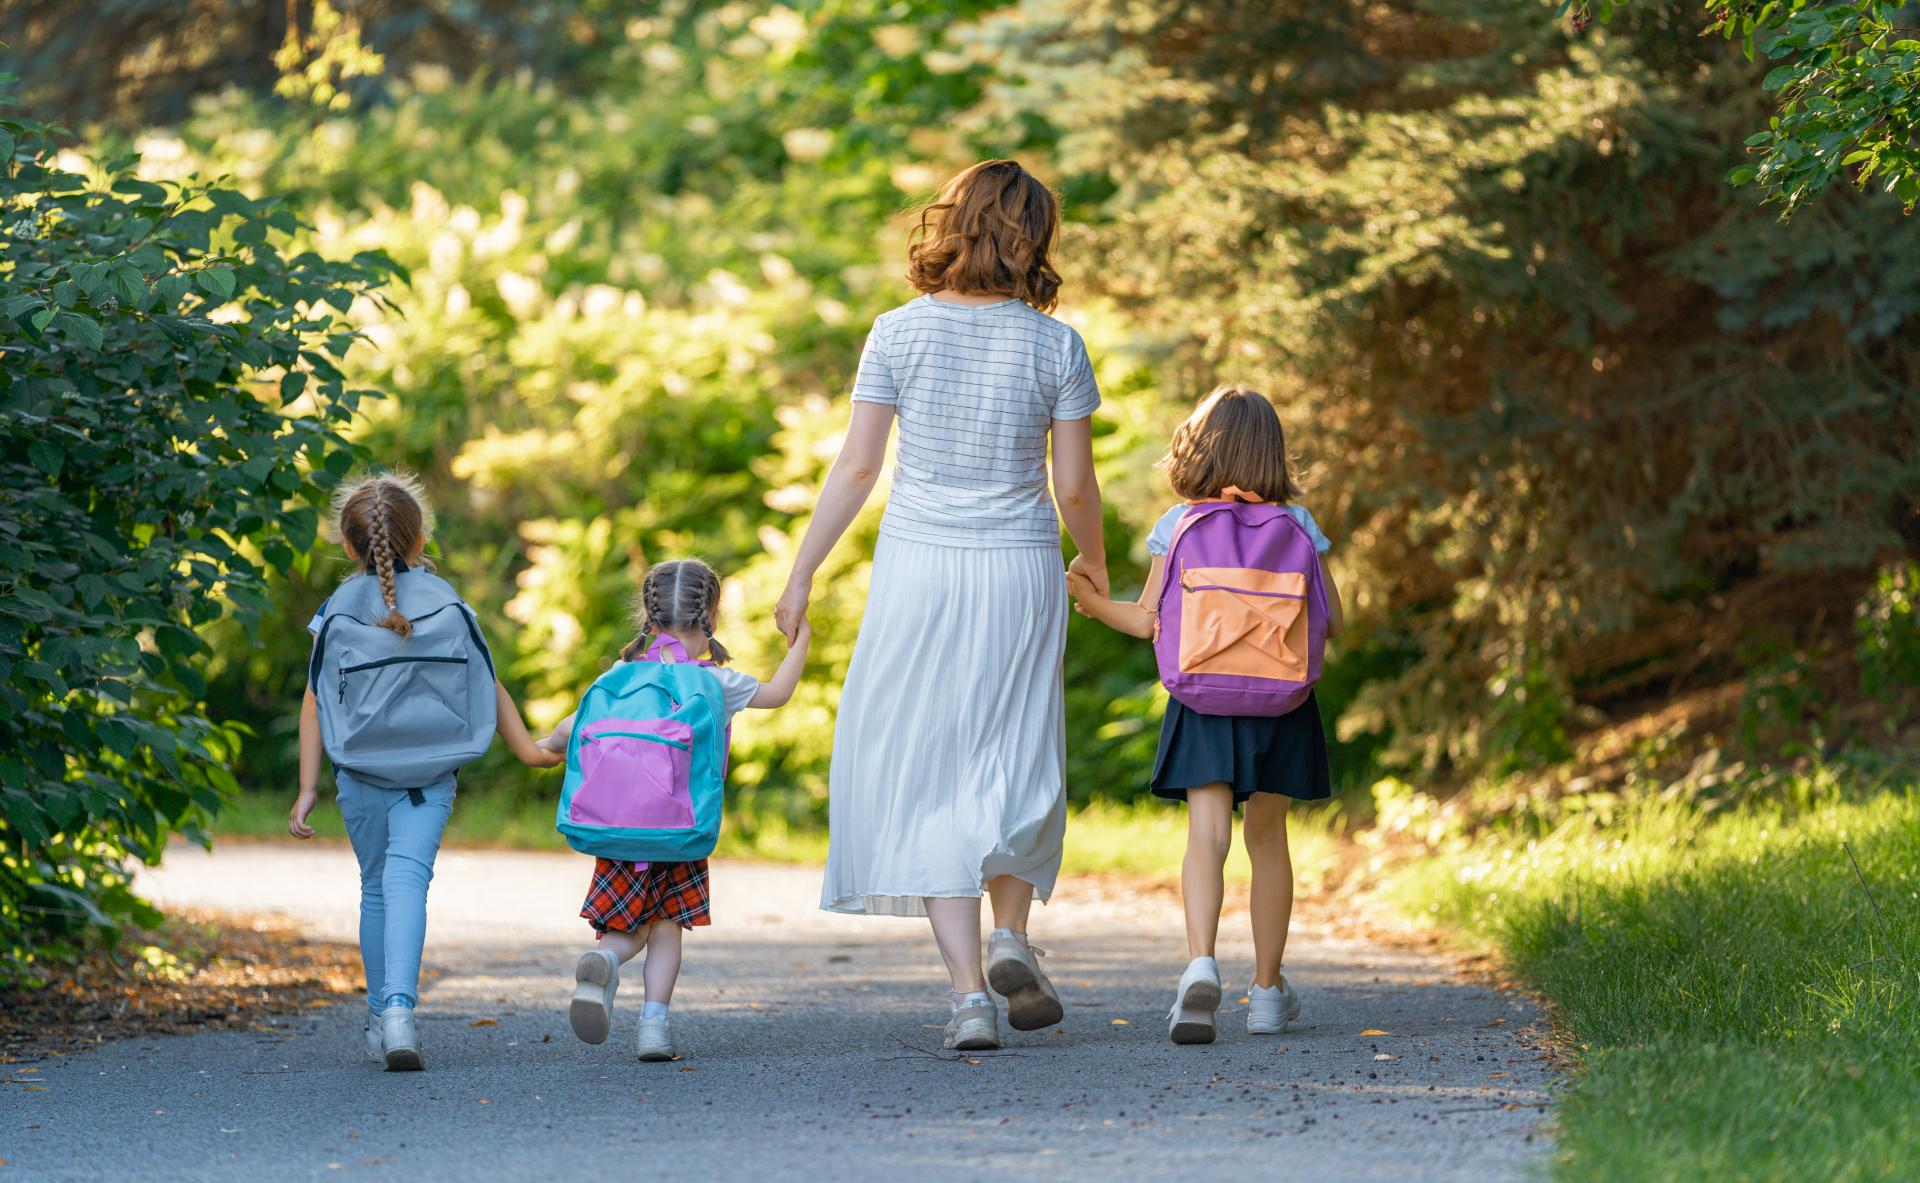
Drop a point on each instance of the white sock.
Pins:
(975, 998)
(1008, 932)
(653, 1010)
(1263, 991)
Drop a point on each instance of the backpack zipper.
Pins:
(659, 739)
(368, 665)
(1239, 591)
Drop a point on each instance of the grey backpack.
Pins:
(402, 712)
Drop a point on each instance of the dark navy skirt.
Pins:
(1285, 755)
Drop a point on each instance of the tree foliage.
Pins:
(172, 404)
(1847, 87)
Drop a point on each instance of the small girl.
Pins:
(1231, 445)
(383, 524)
(635, 906)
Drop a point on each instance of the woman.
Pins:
(950, 747)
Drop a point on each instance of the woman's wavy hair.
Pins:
(386, 520)
(1233, 440)
(988, 233)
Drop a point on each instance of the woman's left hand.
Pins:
(791, 612)
(1094, 573)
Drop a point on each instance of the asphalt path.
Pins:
(810, 1051)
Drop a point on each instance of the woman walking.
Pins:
(949, 748)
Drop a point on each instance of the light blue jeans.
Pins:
(396, 842)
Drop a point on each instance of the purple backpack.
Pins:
(1243, 610)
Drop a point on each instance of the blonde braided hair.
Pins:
(385, 520)
(678, 594)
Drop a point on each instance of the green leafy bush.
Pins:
(172, 405)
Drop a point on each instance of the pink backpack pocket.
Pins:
(635, 774)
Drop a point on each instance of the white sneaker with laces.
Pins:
(401, 1038)
(656, 1040)
(1271, 1008)
(1013, 970)
(596, 977)
(974, 1028)
(1198, 996)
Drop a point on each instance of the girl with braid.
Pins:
(636, 906)
(383, 524)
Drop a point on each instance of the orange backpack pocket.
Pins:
(1244, 622)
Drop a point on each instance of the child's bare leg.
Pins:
(663, 961)
(1202, 871)
(1272, 902)
(624, 945)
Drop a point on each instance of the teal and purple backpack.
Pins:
(647, 761)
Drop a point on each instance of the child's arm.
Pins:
(513, 729)
(309, 768)
(778, 689)
(562, 732)
(1135, 619)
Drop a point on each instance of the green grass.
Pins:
(1145, 838)
(1740, 1009)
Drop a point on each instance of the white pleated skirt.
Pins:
(949, 750)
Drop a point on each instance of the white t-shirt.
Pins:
(975, 391)
(738, 688)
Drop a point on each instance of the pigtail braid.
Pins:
(380, 530)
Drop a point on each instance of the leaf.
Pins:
(1122, 1022)
(46, 456)
(83, 328)
(484, 1023)
(1375, 1031)
(218, 281)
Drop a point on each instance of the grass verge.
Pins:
(1142, 838)
(1745, 1005)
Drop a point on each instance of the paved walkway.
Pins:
(811, 1050)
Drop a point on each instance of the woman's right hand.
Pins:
(791, 612)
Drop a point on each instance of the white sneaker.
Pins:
(596, 976)
(400, 1038)
(656, 1040)
(1271, 1008)
(1191, 1019)
(973, 1028)
(1013, 969)
(376, 1051)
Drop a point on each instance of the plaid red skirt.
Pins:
(624, 899)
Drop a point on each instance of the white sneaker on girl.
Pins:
(401, 1039)
(656, 1039)
(1271, 1008)
(975, 1025)
(1191, 1019)
(596, 977)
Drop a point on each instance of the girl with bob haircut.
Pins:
(949, 749)
(1232, 446)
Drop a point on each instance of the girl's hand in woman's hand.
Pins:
(791, 612)
(297, 816)
(1094, 572)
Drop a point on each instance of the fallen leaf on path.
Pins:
(1123, 1022)
(41, 1088)
(973, 1059)
(689, 1070)
(484, 1023)
(1495, 1075)
(484, 1101)
(1385, 1056)
(1375, 1031)
(1495, 1023)
(1246, 1000)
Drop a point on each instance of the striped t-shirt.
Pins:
(976, 390)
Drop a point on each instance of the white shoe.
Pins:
(1013, 969)
(376, 1051)
(1271, 1008)
(973, 1028)
(1191, 1019)
(400, 1038)
(656, 1040)
(596, 976)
